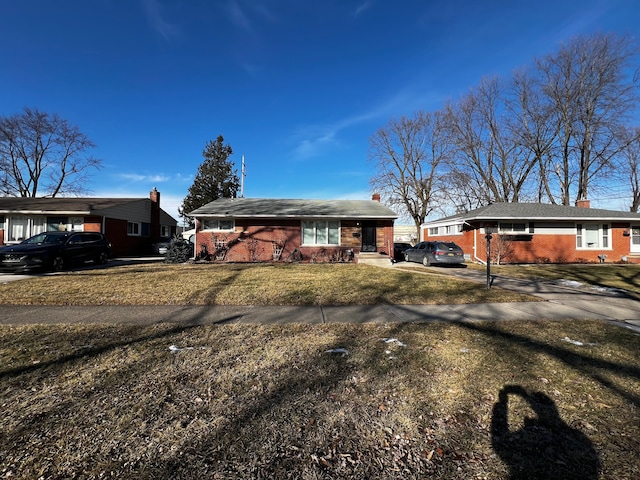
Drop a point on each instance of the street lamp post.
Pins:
(488, 236)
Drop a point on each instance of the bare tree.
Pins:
(586, 83)
(488, 153)
(42, 154)
(630, 167)
(407, 154)
(536, 128)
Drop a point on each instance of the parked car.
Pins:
(429, 253)
(161, 247)
(55, 251)
(399, 249)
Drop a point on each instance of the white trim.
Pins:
(585, 237)
(634, 248)
(134, 234)
(218, 221)
(315, 232)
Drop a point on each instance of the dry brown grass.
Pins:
(611, 275)
(112, 401)
(242, 284)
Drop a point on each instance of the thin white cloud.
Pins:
(362, 8)
(313, 141)
(158, 23)
(238, 16)
(136, 177)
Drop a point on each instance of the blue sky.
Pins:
(295, 86)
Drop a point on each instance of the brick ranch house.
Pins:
(130, 224)
(262, 229)
(541, 233)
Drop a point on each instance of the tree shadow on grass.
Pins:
(94, 351)
(594, 368)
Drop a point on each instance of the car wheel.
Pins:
(102, 258)
(425, 261)
(58, 264)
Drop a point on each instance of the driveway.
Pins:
(113, 262)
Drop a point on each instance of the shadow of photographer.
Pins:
(545, 447)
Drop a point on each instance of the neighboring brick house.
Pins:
(542, 233)
(259, 229)
(130, 224)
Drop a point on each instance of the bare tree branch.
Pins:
(42, 154)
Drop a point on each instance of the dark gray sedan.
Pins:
(430, 253)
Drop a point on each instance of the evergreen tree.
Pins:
(215, 178)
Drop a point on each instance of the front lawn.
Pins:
(248, 284)
(404, 401)
(606, 275)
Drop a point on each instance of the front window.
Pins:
(133, 229)
(321, 232)
(57, 224)
(165, 231)
(1, 222)
(433, 231)
(218, 224)
(18, 230)
(513, 228)
(38, 225)
(77, 224)
(592, 235)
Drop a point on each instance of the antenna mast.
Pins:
(242, 175)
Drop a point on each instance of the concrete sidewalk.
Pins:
(559, 302)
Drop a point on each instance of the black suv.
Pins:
(54, 251)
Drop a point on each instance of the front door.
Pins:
(368, 237)
(635, 239)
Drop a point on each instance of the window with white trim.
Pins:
(165, 231)
(18, 228)
(1, 222)
(320, 232)
(133, 229)
(592, 235)
(225, 225)
(513, 228)
(433, 231)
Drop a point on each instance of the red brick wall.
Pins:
(123, 244)
(539, 248)
(93, 224)
(253, 241)
(1, 237)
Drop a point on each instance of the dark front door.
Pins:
(368, 236)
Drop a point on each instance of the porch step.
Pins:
(373, 259)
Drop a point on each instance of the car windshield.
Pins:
(45, 238)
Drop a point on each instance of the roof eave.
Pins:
(492, 218)
(46, 212)
(217, 215)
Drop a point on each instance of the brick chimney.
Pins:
(583, 203)
(375, 197)
(154, 195)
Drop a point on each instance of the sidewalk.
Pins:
(558, 303)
